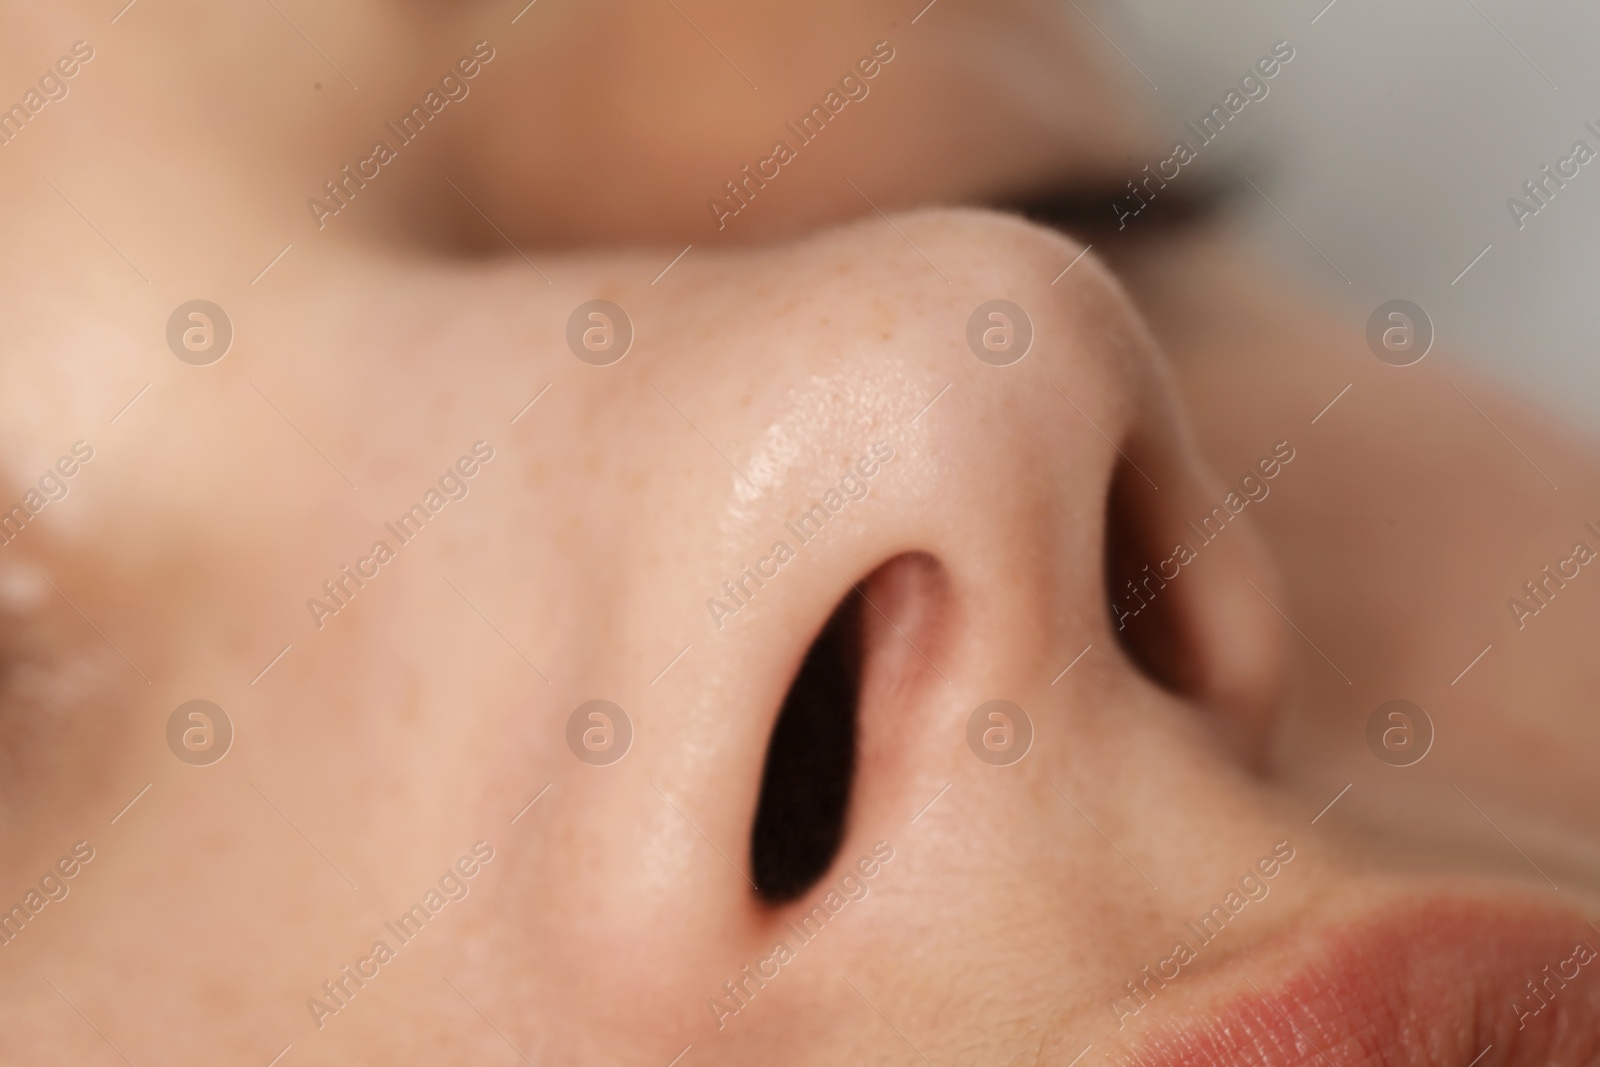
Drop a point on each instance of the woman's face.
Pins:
(504, 577)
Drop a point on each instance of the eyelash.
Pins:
(1085, 209)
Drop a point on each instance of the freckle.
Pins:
(411, 705)
(223, 999)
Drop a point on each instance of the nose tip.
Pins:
(965, 520)
(984, 517)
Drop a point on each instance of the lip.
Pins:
(1429, 982)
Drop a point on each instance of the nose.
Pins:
(928, 538)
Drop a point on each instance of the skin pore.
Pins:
(827, 318)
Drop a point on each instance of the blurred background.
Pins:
(1392, 142)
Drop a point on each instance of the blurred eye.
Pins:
(1105, 209)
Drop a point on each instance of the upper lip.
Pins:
(1417, 982)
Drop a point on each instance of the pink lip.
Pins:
(1436, 983)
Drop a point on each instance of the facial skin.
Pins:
(415, 740)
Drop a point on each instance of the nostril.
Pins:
(1183, 586)
(805, 785)
(1145, 617)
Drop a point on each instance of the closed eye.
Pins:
(1099, 210)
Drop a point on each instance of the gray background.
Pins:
(1393, 140)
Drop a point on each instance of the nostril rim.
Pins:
(810, 766)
